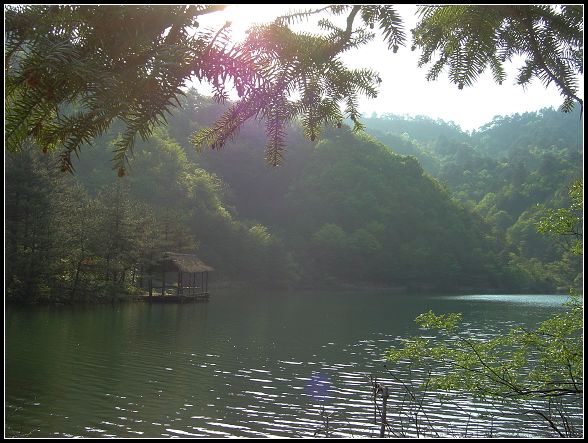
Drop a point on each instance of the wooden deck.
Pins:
(204, 296)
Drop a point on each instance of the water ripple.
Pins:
(200, 371)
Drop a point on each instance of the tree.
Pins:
(567, 222)
(29, 213)
(545, 363)
(71, 71)
(468, 39)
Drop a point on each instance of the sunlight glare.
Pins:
(243, 16)
(404, 89)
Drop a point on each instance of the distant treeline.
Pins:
(414, 204)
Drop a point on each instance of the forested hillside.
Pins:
(345, 210)
(508, 172)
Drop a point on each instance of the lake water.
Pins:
(245, 364)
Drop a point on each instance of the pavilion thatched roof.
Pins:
(184, 262)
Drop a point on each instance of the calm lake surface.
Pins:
(245, 364)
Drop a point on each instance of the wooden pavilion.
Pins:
(190, 282)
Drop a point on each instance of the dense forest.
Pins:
(412, 204)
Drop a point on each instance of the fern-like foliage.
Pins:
(73, 70)
(469, 39)
(389, 22)
(302, 76)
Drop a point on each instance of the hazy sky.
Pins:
(404, 89)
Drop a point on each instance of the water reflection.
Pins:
(245, 364)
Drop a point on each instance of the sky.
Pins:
(404, 89)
